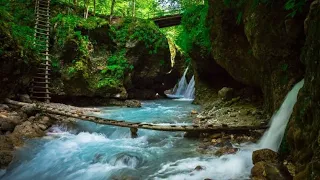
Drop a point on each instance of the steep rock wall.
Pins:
(260, 47)
(304, 127)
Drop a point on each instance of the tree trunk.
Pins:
(133, 8)
(94, 7)
(112, 9)
(86, 8)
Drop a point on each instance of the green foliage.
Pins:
(140, 30)
(68, 23)
(295, 6)
(23, 35)
(195, 30)
(20, 33)
(113, 73)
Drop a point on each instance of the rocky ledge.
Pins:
(18, 124)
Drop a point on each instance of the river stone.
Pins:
(5, 158)
(4, 107)
(268, 170)
(266, 155)
(25, 98)
(25, 130)
(133, 103)
(226, 93)
(6, 148)
(199, 168)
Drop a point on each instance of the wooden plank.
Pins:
(46, 30)
(39, 87)
(41, 77)
(39, 97)
(41, 15)
(42, 33)
(39, 92)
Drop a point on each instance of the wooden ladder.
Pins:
(40, 83)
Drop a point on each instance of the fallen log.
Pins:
(135, 126)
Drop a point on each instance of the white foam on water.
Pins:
(273, 137)
(189, 94)
(182, 85)
(226, 167)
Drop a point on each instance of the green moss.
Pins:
(132, 30)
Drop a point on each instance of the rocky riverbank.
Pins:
(18, 124)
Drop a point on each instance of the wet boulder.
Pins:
(6, 148)
(269, 171)
(267, 166)
(266, 155)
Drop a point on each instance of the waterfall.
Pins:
(183, 90)
(182, 85)
(189, 94)
(273, 137)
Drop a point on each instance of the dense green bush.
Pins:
(195, 30)
(132, 29)
(113, 73)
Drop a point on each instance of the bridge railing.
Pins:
(158, 14)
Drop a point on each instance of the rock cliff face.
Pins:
(303, 131)
(113, 61)
(17, 63)
(258, 47)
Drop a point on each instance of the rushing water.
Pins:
(91, 151)
(184, 90)
(189, 94)
(273, 137)
(182, 85)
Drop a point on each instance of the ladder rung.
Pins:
(44, 69)
(38, 13)
(42, 19)
(37, 97)
(43, 4)
(41, 33)
(39, 87)
(39, 92)
(47, 30)
(45, 65)
(42, 38)
(35, 82)
(44, 51)
(37, 77)
(43, 9)
(44, 74)
(38, 20)
(40, 16)
(48, 2)
(44, 25)
(44, 22)
(43, 45)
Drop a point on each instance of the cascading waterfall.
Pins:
(189, 94)
(273, 137)
(182, 85)
(183, 90)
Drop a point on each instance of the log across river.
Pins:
(134, 126)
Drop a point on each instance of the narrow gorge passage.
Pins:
(92, 151)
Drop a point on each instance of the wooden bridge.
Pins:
(166, 18)
(134, 126)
